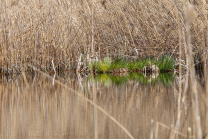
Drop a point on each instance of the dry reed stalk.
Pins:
(46, 26)
(53, 67)
(95, 111)
(92, 48)
(127, 25)
(24, 77)
(189, 132)
(172, 130)
(54, 76)
(179, 110)
(124, 31)
(190, 17)
(151, 133)
(205, 55)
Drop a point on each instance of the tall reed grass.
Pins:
(38, 32)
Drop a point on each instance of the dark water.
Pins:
(40, 107)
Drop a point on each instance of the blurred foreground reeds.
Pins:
(47, 110)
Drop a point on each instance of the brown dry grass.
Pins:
(38, 32)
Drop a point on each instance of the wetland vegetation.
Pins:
(123, 69)
(68, 32)
(122, 65)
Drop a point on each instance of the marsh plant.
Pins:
(166, 63)
(119, 64)
(138, 64)
(101, 65)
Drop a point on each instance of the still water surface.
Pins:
(38, 107)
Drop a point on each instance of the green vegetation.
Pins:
(119, 64)
(138, 64)
(101, 65)
(166, 63)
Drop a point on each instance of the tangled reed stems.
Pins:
(35, 32)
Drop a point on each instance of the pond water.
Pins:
(98, 106)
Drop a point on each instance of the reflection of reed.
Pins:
(166, 78)
(46, 111)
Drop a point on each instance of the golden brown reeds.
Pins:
(190, 18)
(37, 33)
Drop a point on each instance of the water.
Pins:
(40, 107)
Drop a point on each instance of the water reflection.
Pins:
(107, 79)
(48, 109)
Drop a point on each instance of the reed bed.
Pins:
(34, 32)
(55, 35)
